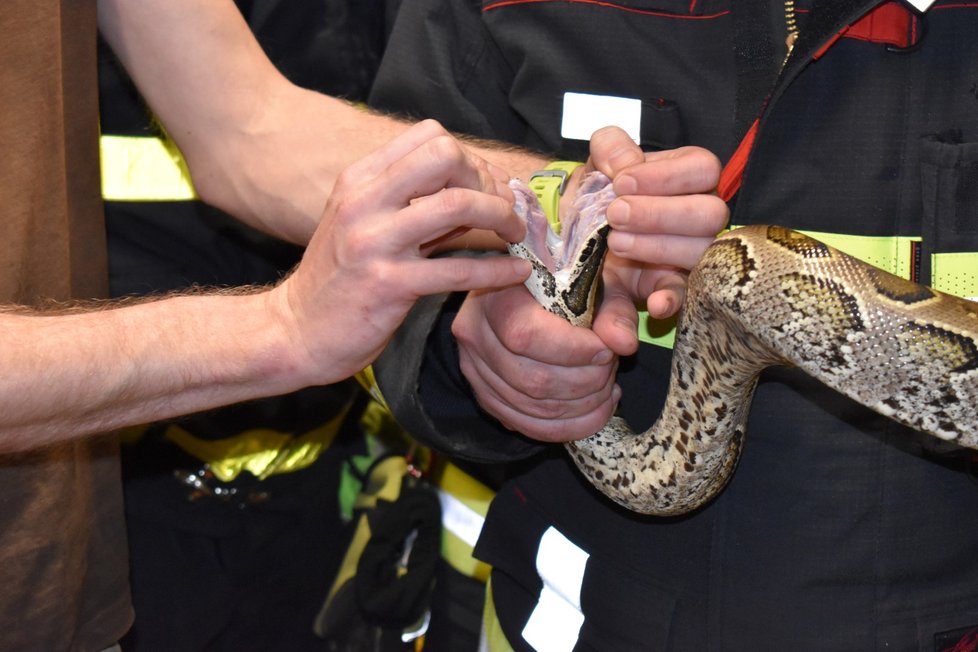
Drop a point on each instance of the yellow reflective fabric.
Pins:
(956, 273)
(491, 638)
(368, 381)
(383, 483)
(144, 168)
(894, 254)
(473, 495)
(262, 452)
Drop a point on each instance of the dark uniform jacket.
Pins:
(840, 529)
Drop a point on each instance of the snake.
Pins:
(760, 296)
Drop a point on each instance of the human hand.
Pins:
(531, 369)
(366, 264)
(664, 218)
(554, 382)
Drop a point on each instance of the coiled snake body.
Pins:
(760, 296)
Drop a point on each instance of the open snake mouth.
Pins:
(567, 264)
(559, 251)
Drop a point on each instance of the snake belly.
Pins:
(760, 296)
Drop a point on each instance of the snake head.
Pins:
(566, 265)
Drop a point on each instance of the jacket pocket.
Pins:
(949, 185)
(546, 585)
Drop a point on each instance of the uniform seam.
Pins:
(608, 5)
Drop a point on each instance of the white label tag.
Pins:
(920, 5)
(584, 114)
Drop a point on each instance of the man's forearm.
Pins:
(86, 371)
(257, 146)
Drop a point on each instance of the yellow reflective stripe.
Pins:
(368, 381)
(491, 636)
(262, 452)
(144, 168)
(956, 273)
(383, 483)
(891, 253)
(475, 495)
(458, 554)
(895, 254)
(465, 502)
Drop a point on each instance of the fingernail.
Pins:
(625, 185)
(620, 242)
(616, 394)
(603, 357)
(618, 213)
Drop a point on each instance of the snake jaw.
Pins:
(567, 265)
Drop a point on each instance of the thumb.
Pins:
(616, 320)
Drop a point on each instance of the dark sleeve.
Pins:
(441, 63)
(418, 374)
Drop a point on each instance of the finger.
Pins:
(396, 148)
(553, 430)
(482, 326)
(666, 292)
(670, 250)
(612, 150)
(462, 273)
(440, 162)
(616, 320)
(690, 215)
(445, 212)
(371, 231)
(538, 402)
(682, 171)
(533, 332)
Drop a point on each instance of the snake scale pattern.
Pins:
(760, 296)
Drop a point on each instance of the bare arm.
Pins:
(257, 146)
(246, 131)
(82, 372)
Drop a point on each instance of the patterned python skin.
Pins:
(763, 296)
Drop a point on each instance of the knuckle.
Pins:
(518, 337)
(694, 169)
(445, 148)
(433, 126)
(539, 383)
(450, 203)
(652, 248)
(457, 271)
(358, 245)
(347, 181)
